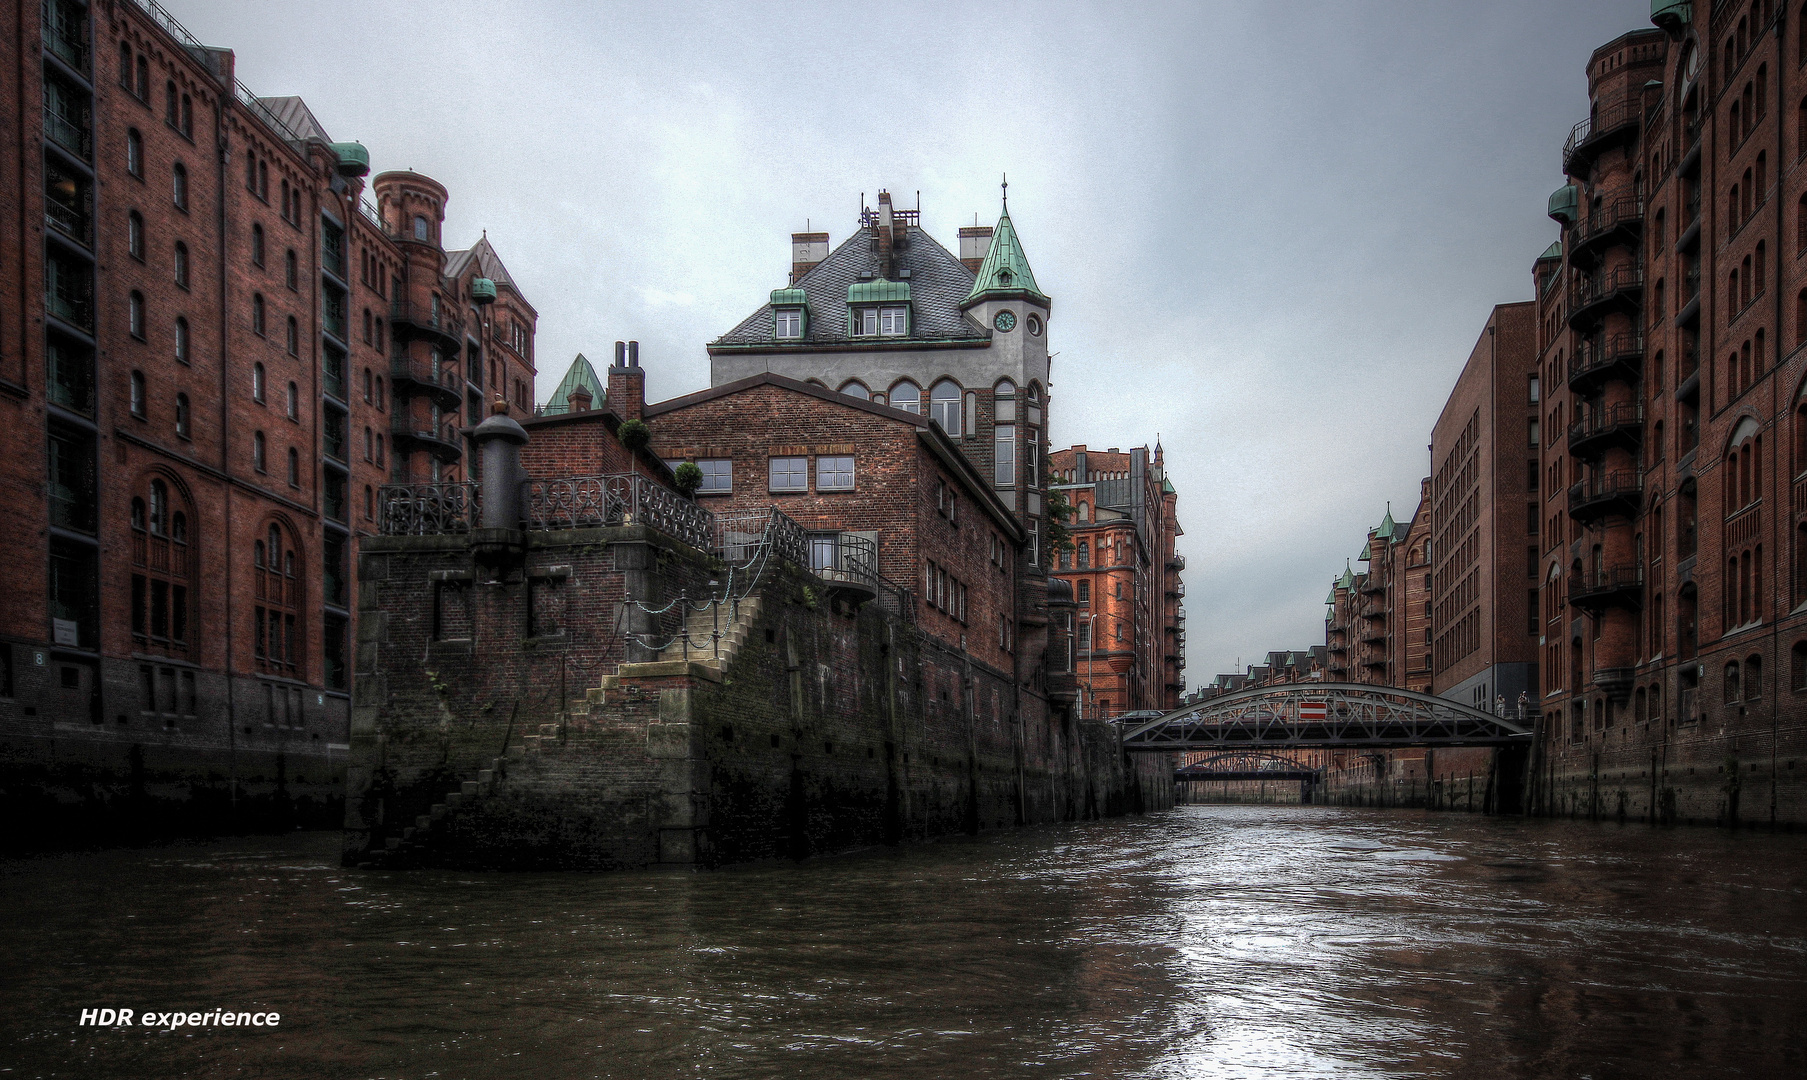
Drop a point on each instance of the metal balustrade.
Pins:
(429, 509)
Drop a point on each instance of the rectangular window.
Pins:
(824, 551)
(834, 474)
(1532, 433)
(1533, 394)
(1003, 448)
(866, 319)
(718, 476)
(332, 247)
(789, 474)
(893, 321)
(789, 322)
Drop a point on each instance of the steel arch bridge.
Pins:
(1246, 765)
(1312, 715)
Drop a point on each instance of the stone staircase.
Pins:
(700, 628)
(403, 850)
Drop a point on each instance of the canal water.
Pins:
(1209, 941)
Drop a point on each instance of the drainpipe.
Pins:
(223, 151)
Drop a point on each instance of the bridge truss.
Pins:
(1246, 765)
(1322, 715)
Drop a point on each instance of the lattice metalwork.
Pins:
(1322, 715)
(1245, 764)
(429, 509)
(580, 502)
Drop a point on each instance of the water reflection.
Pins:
(1209, 941)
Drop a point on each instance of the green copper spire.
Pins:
(1386, 524)
(580, 374)
(1347, 581)
(1005, 271)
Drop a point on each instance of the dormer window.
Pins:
(878, 308)
(789, 314)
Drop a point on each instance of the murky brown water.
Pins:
(1205, 942)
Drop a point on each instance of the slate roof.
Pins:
(938, 281)
(489, 264)
(293, 113)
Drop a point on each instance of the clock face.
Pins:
(1006, 321)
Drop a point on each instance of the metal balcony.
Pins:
(1614, 425)
(405, 436)
(1620, 493)
(419, 378)
(409, 320)
(1176, 561)
(1612, 122)
(1618, 357)
(1619, 586)
(1618, 221)
(1608, 290)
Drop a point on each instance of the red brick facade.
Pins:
(213, 350)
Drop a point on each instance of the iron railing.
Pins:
(1606, 420)
(1620, 348)
(1604, 285)
(430, 509)
(1617, 485)
(1608, 117)
(1606, 582)
(582, 502)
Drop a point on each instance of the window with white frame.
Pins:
(787, 323)
(834, 473)
(788, 474)
(1003, 449)
(718, 476)
(893, 321)
(944, 406)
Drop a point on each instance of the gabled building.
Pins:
(1125, 572)
(893, 317)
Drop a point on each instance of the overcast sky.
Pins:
(1271, 232)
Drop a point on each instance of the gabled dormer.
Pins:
(878, 309)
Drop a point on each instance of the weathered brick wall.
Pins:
(834, 727)
(1695, 777)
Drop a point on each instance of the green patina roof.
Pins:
(1367, 554)
(1331, 598)
(789, 298)
(1554, 251)
(580, 374)
(870, 292)
(1387, 528)
(1006, 268)
(1167, 487)
(1347, 581)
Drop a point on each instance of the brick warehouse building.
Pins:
(1130, 637)
(202, 394)
(1672, 312)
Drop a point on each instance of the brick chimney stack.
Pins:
(807, 250)
(627, 382)
(975, 241)
(886, 240)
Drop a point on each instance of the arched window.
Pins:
(257, 383)
(294, 402)
(944, 406)
(1753, 677)
(142, 86)
(135, 314)
(179, 185)
(294, 467)
(181, 339)
(277, 589)
(381, 458)
(263, 179)
(182, 427)
(857, 389)
(907, 397)
(257, 313)
(169, 103)
(369, 444)
(1797, 667)
(138, 394)
(290, 270)
(160, 573)
(134, 153)
(181, 264)
(420, 227)
(367, 337)
(134, 235)
(369, 503)
(379, 393)
(379, 334)
(1733, 692)
(188, 117)
(257, 244)
(293, 339)
(257, 451)
(125, 66)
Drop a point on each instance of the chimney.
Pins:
(807, 250)
(627, 382)
(886, 242)
(975, 241)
